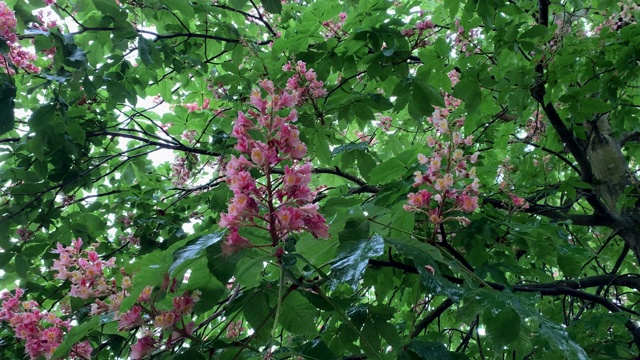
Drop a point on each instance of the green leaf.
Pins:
(42, 118)
(189, 354)
(468, 90)
(272, 6)
(361, 146)
(571, 259)
(22, 266)
(185, 7)
(536, 31)
(149, 270)
(503, 327)
(145, 47)
(387, 171)
(193, 250)
(76, 334)
(486, 12)
(257, 311)
(108, 8)
(249, 268)
(317, 349)
(352, 260)
(413, 247)
(76, 132)
(7, 96)
(222, 266)
(297, 314)
(365, 164)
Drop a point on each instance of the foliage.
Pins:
(244, 179)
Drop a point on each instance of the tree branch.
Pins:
(431, 317)
(557, 214)
(154, 143)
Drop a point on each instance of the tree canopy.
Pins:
(330, 179)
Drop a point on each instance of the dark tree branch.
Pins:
(162, 145)
(556, 288)
(431, 317)
(556, 154)
(445, 244)
(608, 304)
(630, 136)
(575, 146)
(557, 214)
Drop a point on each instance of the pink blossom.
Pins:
(234, 329)
(7, 22)
(467, 202)
(420, 199)
(518, 201)
(165, 320)
(285, 197)
(234, 243)
(143, 347)
(130, 319)
(145, 295)
(191, 107)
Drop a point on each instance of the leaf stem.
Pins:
(279, 305)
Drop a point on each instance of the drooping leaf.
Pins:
(193, 250)
(353, 258)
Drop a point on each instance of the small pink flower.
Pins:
(430, 269)
(234, 243)
(130, 319)
(191, 107)
(143, 347)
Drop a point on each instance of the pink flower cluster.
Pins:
(450, 181)
(146, 315)
(24, 233)
(617, 20)
(282, 202)
(41, 331)
(19, 57)
(85, 271)
(420, 32)
(181, 168)
(234, 329)
(7, 23)
(304, 83)
(384, 122)
(334, 28)
(194, 106)
(517, 203)
(463, 39)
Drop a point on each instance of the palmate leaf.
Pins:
(352, 260)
